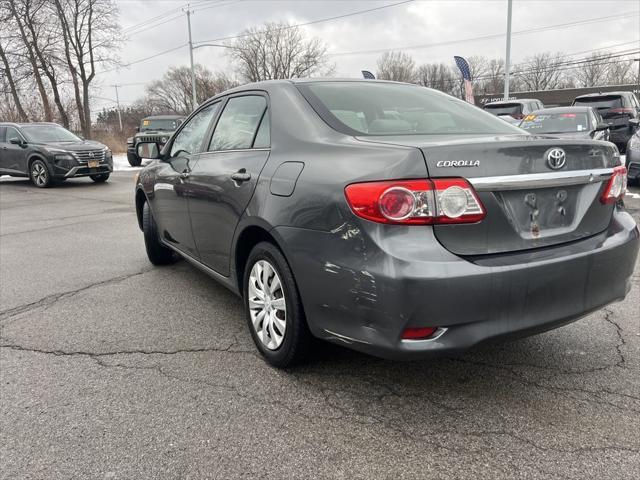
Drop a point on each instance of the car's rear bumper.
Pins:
(363, 289)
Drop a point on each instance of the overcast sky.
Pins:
(419, 23)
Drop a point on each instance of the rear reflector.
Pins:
(420, 333)
(616, 186)
(411, 202)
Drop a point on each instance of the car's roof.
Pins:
(602, 94)
(15, 124)
(564, 110)
(163, 117)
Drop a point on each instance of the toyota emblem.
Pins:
(556, 158)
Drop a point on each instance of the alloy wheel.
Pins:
(267, 304)
(39, 174)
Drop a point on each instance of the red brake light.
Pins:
(621, 110)
(419, 333)
(411, 202)
(616, 186)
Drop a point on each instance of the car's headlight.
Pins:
(634, 143)
(164, 139)
(63, 156)
(130, 141)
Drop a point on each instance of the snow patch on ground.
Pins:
(120, 163)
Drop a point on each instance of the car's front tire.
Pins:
(158, 254)
(100, 177)
(273, 308)
(39, 174)
(134, 160)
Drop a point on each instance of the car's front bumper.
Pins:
(79, 169)
(362, 286)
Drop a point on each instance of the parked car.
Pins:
(48, 153)
(567, 122)
(154, 129)
(387, 217)
(618, 109)
(633, 158)
(513, 110)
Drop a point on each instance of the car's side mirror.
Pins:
(16, 141)
(601, 127)
(148, 150)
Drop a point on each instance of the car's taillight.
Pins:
(628, 111)
(411, 202)
(616, 186)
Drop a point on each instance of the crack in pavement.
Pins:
(55, 297)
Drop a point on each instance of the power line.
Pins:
(313, 22)
(493, 35)
(145, 59)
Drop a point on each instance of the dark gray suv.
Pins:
(387, 217)
(48, 153)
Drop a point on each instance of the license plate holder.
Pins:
(93, 163)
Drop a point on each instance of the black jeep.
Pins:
(155, 129)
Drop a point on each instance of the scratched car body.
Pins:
(387, 217)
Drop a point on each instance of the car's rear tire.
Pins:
(134, 160)
(39, 174)
(100, 177)
(158, 254)
(273, 308)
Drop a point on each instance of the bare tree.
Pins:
(10, 83)
(540, 72)
(21, 12)
(172, 93)
(90, 33)
(620, 72)
(277, 50)
(397, 66)
(494, 76)
(437, 75)
(593, 71)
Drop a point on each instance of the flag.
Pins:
(466, 75)
(368, 75)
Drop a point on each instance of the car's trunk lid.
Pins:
(529, 203)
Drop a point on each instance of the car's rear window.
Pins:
(377, 108)
(556, 122)
(601, 103)
(504, 109)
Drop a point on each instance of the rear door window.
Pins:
(3, 134)
(238, 124)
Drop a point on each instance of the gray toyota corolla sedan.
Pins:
(387, 217)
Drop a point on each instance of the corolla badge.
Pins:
(556, 158)
(458, 163)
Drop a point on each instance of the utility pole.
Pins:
(507, 60)
(193, 71)
(118, 106)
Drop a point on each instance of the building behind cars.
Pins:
(621, 111)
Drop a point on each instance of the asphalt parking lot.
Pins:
(113, 369)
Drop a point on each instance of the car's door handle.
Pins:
(241, 176)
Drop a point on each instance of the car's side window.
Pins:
(12, 133)
(189, 139)
(238, 123)
(3, 134)
(263, 137)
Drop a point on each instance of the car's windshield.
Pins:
(48, 133)
(159, 124)
(375, 108)
(601, 103)
(504, 109)
(556, 122)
